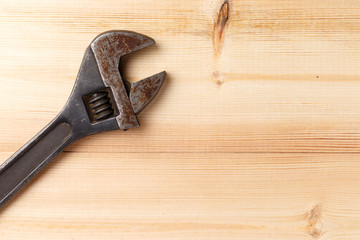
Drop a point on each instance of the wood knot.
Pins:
(217, 76)
(219, 83)
(219, 27)
(313, 218)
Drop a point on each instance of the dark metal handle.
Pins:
(21, 167)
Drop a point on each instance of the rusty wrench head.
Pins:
(110, 101)
(107, 49)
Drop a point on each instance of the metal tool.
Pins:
(100, 101)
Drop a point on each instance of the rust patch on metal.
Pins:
(219, 28)
(108, 48)
(142, 92)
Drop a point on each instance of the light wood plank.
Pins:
(190, 195)
(255, 134)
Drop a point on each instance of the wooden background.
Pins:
(255, 135)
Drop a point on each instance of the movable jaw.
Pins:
(142, 92)
(108, 48)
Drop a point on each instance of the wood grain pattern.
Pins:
(255, 135)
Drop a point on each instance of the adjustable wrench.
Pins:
(100, 101)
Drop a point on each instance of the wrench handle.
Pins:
(21, 167)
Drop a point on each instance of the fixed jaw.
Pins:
(119, 43)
